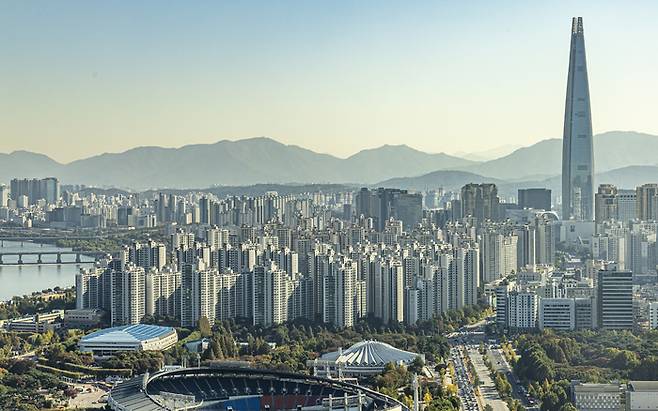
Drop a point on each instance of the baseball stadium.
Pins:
(242, 388)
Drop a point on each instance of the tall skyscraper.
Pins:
(577, 152)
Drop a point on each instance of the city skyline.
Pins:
(322, 206)
(354, 78)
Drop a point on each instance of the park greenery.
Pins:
(547, 361)
(49, 356)
(32, 304)
(114, 242)
(23, 387)
(588, 356)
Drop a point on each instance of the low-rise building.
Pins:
(596, 397)
(642, 395)
(38, 323)
(84, 317)
(136, 337)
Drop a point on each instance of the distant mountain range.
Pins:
(243, 162)
(612, 150)
(622, 157)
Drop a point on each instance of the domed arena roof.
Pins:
(370, 353)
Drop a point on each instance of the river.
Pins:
(27, 278)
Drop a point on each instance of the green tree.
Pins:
(204, 327)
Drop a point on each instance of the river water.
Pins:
(27, 278)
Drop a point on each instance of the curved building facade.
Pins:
(364, 358)
(238, 388)
(137, 337)
(577, 150)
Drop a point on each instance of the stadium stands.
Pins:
(231, 388)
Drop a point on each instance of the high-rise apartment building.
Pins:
(4, 195)
(163, 293)
(547, 235)
(480, 201)
(647, 202)
(522, 309)
(128, 295)
(149, 254)
(499, 255)
(385, 203)
(36, 189)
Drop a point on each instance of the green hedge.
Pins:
(95, 371)
(60, 372)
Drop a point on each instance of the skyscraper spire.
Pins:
(577, 151)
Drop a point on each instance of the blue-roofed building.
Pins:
(137, 337)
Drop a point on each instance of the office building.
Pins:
(537, 198)
(612, 203)
(557, 314)
(596, 397)
(577, 148)
(615, 299)
(4, 195)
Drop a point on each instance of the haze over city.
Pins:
(80, 78)
(300, 206)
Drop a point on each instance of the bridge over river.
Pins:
(48, 257)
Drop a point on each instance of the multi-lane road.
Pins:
(500, 364)
(463, 379)
(488, 390)
(465, 343)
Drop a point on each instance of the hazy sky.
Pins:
(84, 77)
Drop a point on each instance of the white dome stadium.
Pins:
(362, 358)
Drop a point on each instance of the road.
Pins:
(488, 389)
(472, 336)
(463, 380)
(499, 363)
